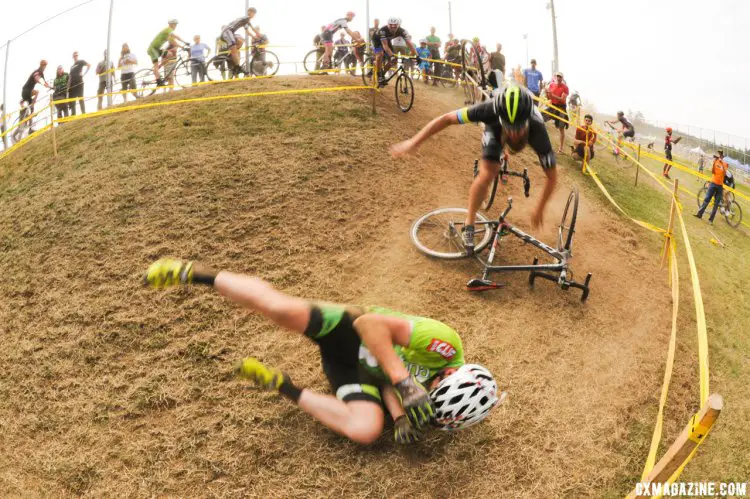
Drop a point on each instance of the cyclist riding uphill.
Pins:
(28, 93)
(372, 357)
(331, 29)
(627, 130)
(381, 42)
(155, 48)
(232, 41)
(510, 119)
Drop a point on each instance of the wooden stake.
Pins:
(691, 437)
(668, 236)
(52, 121)
(637, 167)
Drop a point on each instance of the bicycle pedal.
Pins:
(483, 285)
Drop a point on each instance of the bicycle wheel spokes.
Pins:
(439, 233)
(404, 92)
(567, 225)
(733, 214)
(264, 64)
(145, 82)
(217, 68)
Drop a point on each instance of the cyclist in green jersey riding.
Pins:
(510, 118)
(372, 357)
(155, 48)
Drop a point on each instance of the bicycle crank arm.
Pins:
(565, 285)
(483, 285)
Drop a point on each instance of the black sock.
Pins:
(290, 391)
(204, 279)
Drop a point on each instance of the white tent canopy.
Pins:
(698, 151)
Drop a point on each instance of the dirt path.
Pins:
(111, 388)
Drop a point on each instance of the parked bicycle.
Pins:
(438, 234)
(731, 210)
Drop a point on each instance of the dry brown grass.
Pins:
(111, 389)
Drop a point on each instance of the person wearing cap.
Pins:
(60, 84)
(668, 141)
(558, 95)
(433, 44)
(715, 187)
(424, 53)
(75, 91)
(155, 48)
(106, 79)
(533, 79)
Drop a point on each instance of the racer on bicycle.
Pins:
(627, 130)
(29, 94)
(155, 48)
(668, 142)
(330, 30)
(381, 42)
(510, 119)
(232, 41)
(371, 356)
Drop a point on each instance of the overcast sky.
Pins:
(685, 62)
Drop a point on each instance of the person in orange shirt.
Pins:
(585, 137)
(715, 187)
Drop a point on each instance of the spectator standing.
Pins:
(106, 80)
(76, 83)
(574, 107)
(198, 52)
(433, 44)
(668, 141)
(127, 65)
(585, 138)
(374, 29)
(533, 79)
(518, 76)
(342, 50)
(497, 59)
(558, 95)
(716, 187)
(452, 54)
(423, 52)
(701, 163)
(60, 85)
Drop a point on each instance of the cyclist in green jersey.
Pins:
(372, 357)
(155, 49)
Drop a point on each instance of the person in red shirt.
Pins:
(557, 91)
(585, 137)
(715, 187)
(668, 141)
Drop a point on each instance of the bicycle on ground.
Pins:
(502, 176)
(438, 234)
(731, 210)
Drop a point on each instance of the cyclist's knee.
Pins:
(365, 423)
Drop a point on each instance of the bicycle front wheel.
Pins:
(219, 68)
(471, 63)
(367, 71)
(733, 214)
(404, 92)
(702, 195)
(145, 83)
(568, 223)
(264, 64)
(438, 233)
(312, 62)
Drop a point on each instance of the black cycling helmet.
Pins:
(620, 114)
(495, 78)
(514, 106)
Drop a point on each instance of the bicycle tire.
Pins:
(183, 73)
(268, 65)
(565, 232)
(367, 71)
(733, 214)
(145, 83)
(404, 92)
(438, 225)
(466, 63)
(702, 195)
(217, 68)
(312, 63)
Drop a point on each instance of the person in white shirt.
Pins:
(127, 65)
(198, 53)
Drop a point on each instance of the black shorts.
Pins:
(339, 351)
(629, 133)
(492, 149)
(667, 154)
(327, 37)
(561, 116)
(26, 95)
(581, 151)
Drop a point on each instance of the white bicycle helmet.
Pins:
(465, 397)
(173, 21)
(394, 20)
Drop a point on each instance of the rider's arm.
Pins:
(392, 403)
(433, 127)
(351, 33)
(411, 46)
(379, 333)
(175, 37)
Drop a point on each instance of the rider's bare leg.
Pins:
(327, 55)
(488, 170)
(360, 421)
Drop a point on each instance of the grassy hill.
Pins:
(112, 389)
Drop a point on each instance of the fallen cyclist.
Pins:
(510, 119)
(372, 357)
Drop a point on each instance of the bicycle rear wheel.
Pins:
(219, 68)
(404, 92)
(568, 223)
(702, 195)
(264, 64)
(183, 73)
(145, 83)
(733, 214)
(313, 62)
(438, 233)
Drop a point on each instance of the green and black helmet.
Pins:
(514, 106)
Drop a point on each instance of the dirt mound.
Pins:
(109, 388)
